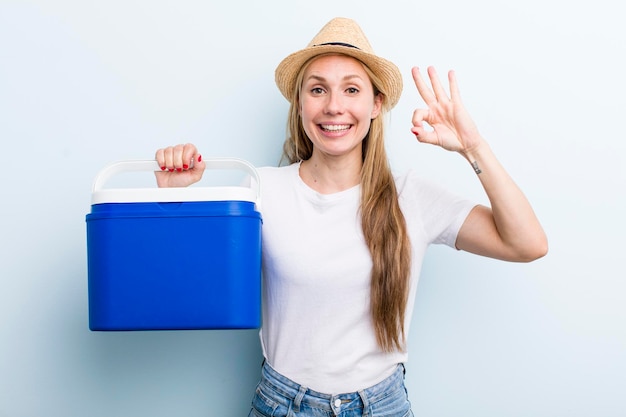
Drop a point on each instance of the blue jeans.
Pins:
(278, 396)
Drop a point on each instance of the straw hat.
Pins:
(343, 36)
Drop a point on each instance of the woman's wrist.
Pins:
(476, 155)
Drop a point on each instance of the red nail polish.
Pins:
(199, 158)
(162, 168)
(185, 166)
(179, 169)
(416, 134)
(171, 169)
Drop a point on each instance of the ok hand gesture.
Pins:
(453, 128)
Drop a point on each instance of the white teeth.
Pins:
(335, 128)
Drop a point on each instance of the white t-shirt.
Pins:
(317, 326)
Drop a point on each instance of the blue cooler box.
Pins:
(174, 258)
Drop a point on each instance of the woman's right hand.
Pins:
(181, 165)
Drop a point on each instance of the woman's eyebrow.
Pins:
(322, 79)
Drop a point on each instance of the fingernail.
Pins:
(416, 134)
(185, 166)
(179, 169)
(162, 168)
(171, 169)
(199, 158)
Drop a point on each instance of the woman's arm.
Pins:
(509, 230)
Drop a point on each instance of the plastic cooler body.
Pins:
(174, 266)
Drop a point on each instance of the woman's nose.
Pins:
(334, 104)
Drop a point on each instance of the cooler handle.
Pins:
(151, 165)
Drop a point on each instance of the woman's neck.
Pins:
(328, 175)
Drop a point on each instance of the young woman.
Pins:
(344, 239)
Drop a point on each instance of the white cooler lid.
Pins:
(166, 195)
(102, 195)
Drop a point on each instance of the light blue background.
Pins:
(83, 84)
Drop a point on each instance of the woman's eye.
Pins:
(317, 90)
(352, 90)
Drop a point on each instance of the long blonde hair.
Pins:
(382, 221)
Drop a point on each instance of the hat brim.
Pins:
(389, 74)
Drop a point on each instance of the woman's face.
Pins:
(337, 104)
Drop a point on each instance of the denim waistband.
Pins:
(303, 395)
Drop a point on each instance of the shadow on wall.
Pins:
(173, 372)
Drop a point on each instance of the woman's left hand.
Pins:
(509, 228)
(453, 128)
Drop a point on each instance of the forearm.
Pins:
(516, 225)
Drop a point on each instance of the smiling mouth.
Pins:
(335, 128)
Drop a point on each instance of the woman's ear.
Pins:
(378, 105)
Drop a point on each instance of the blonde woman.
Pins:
(344, 239)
